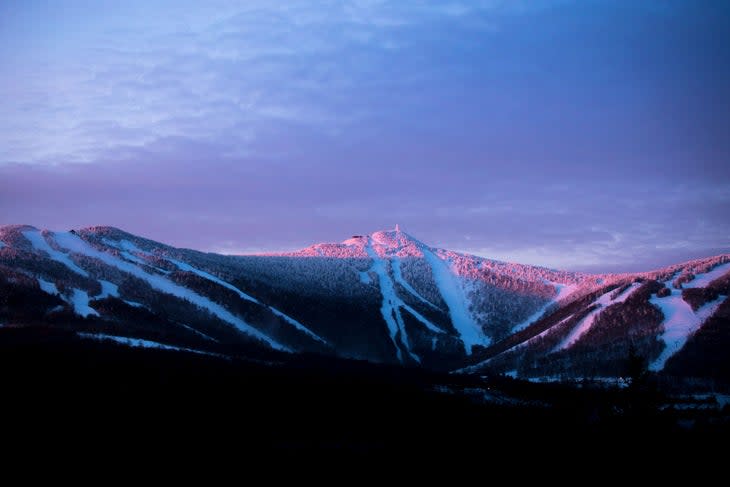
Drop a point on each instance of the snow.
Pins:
(544, 333)
(365, 278)
(135, 304)
(188, 268)
(108, 289)
(563, 291)
(297, 325)
(126, 248)
(131, 247)
(421, 318)
(389, 308)
(79, 299)
(75, 244)
(137, 342)
(722, 399)
(533, 318)
(703, 280)
(395, 264)
(80, 302)
(477, 366)
(48, 287)
(587, 323)
(471, 334)
(39, 243)
(680, 320)
(132, 257)
(627, 293)
(198, 332)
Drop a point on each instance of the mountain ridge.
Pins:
(383, 297)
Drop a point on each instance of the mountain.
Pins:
(384, 297)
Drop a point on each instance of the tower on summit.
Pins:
(397, 227)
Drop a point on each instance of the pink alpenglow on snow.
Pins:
(680, 321)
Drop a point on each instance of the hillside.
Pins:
(384, 297)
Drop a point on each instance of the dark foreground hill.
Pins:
(101, 397)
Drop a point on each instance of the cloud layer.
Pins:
(585, 135)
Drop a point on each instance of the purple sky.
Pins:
(590, 135)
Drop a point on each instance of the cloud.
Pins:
(277, 124)
(202, 72)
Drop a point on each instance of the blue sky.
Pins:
(577, 134)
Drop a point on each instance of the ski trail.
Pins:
(205, 275)
(680, 321)
(183, 266)
(422, 319)
(73, 243)
(563, 291)
(39, 243)
(453, 295)
(587, 323)
(389, 308)
(297, 324)
(395, 262)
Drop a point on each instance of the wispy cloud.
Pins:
(218, 71)
(565, 133)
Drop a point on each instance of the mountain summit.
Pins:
(383, 297)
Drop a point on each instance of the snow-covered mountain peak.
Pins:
(385, 243)
(396, 243)
(384, 296)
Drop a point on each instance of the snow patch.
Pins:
(198, 332)
(80, 302)
(587, 323)
(533, 318)
(470, 332)
(75, 244)
(131, 247)
(627, 293)
(421, 318)
(138, 342)
(39, 243)
(477, 366)
(395, 264)
(297, 325)
(48, 287)
(108, 289)
(131, 257)
(125, 248)
(79, 299)
(704, 280)
(365, 278)
(563, 291)
(680, 320)
(205, 275)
